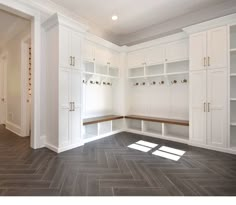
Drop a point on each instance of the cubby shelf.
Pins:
(160, 75)
(100, 75)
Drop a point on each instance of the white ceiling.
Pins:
(137, 15)
(133, 15)
(10, 26)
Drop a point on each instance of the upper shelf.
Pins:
(159, 70)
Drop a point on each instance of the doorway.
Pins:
(3, 84)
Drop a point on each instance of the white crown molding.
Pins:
(226, 20)
(158, 41)
(59, 19)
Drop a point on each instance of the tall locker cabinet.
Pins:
(208, 87)
(64, 97)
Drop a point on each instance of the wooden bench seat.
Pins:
(160, 120)
(96, 120)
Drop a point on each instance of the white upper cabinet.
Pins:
(217, 48)
(76, 49)
(136, 58)
(65, 53)
(177, 51)
(114, 59)
(88, 51)
(198, 51)
(209, 49)
(101, 55)
(70, 48)
(155, 55)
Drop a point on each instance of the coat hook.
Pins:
(162, 82)
(174, 82)
(98, 83)
(104, 83)
(153, 83)
(136, 84)
(184, 81)
(85, 82)
(92, 82)
(144, 83)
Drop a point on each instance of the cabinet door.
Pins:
(65, 50)
(76, 98)
(155, 55)
(101, 55)
(218, 48)
(136, 58)
(198, 51)
(177, 51)
(64, 108)
(76, 49)
(88, 51)
(217, 107)
(197, 107)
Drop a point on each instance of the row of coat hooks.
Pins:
(173, 82)
(96, 82)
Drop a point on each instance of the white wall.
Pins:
(13, 49)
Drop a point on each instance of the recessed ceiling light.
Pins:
(114, 17)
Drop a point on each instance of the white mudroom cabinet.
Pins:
(208, 87)
(64, 84)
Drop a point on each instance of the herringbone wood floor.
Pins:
(107, 167)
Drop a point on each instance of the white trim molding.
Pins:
(14, 128)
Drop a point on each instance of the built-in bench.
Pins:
(96, 120)
(166, 128)
(103, 126)
(161, 120)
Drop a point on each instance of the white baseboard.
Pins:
(62, 149)
(16, 129)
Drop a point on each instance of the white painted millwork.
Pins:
(198, 94)
(209, 49)
(208, 87)
(64, 104)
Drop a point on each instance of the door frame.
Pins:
(5, 57)
(25, 129)
(23, 10)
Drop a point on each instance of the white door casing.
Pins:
(3, 88)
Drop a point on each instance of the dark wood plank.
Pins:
(95, 120)
(161, 120)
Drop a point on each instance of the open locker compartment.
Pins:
(177, 67)
(90, 131)
(233, 112)
(153, 127)
(105, 128)
(136, 72)
(155, 70)
(134, 124)
(176, 131)
(117, 125)
(89, 67)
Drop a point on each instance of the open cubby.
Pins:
(233, 62)
(136, 72)
(233, 136)
(89, 66)
(177, 67)
(114, 72)
(155, 70)
(233, 87)
(153, 127)
(101, 69)
(90, 131)
(177, 131)
(117, 125)
(233, 37)
(105, 128)
(233, 111)
(134, 124)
